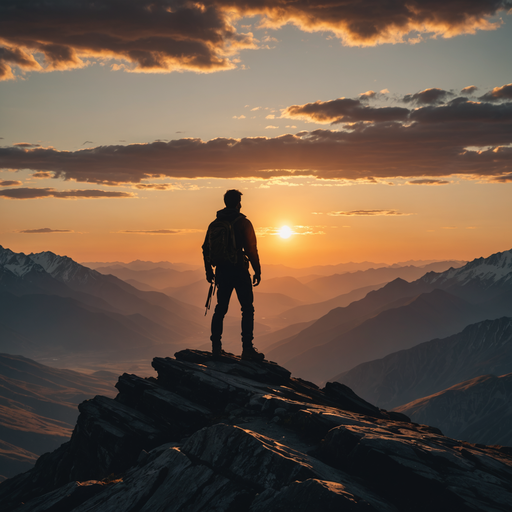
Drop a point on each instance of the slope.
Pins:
(38, 408)
(477, 410)
(481, 348)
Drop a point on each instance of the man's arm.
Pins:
(251, 249)
(206, 258)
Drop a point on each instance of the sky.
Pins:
(376, 131)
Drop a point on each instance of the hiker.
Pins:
(229, 246)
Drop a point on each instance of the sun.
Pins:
(285, 232)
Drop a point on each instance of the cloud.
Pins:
(344, 110)
(42, 175)
(499, 93)
(172, 35)
(461, 137)
(45, 230)
(271, 127)
(159, 231)
(373, 21)
(26, 145)
(155, 186)
(87, 142)
(270, 116)
(143, 36)
(428, 96)
(368, 213)
(470, 89)
(506, 178)
(7, 183)
(239, 117)
(37, 193)
(428, 182)
(18, 57)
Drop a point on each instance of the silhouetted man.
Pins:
(229, 246)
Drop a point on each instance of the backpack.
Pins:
(221, 242)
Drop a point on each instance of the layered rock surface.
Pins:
(230, 435)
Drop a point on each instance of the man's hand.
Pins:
(256, 278)
(210, 275)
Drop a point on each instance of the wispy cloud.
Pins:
(38, 193)
(43, 231)
(428, 182)
(368, 213)
(9, 183)
(26, 145)
(159, 231)
(202, 36)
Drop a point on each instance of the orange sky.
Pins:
(380, 134)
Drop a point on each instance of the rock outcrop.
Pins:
(230, 435)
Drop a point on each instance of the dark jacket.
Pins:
(245, 239)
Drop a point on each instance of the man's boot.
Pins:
(249, 353)
(216, 348)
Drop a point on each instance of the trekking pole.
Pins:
(211, 293)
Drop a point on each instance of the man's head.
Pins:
(233, 198)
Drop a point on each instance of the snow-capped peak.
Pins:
(490, 270)
(62, 267)
(18, 263)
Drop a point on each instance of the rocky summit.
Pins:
(229, 435)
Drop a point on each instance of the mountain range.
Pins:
(52, 306)
(401, 377)
(398, 316)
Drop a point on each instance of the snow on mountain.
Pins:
(18, 263)
(488, 271)
(59, 267)
(63, 268)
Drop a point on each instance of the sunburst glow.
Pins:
(285, 232)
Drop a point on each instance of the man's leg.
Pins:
(243, 287)
(224, 290)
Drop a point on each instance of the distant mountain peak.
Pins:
(489, 271)
(18, 263)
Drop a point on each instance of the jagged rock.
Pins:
(229, 435)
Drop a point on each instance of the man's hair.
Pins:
(232, 198)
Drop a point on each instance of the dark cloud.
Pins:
(37, 193)
(427, 97)
(148, 35)
(154, 186)
(159, 231)
(15, 56)
(7, 183)
(344, 110)
(88, 142)
(45, 231)
(26, 145)
(499, 93)
(169, 35)
(367, 213)
(506, 178)
(42, 175)
(459, 137)
(428, 182)
(470, 89)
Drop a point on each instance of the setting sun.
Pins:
(285, 232)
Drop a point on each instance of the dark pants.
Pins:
(229, 278)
